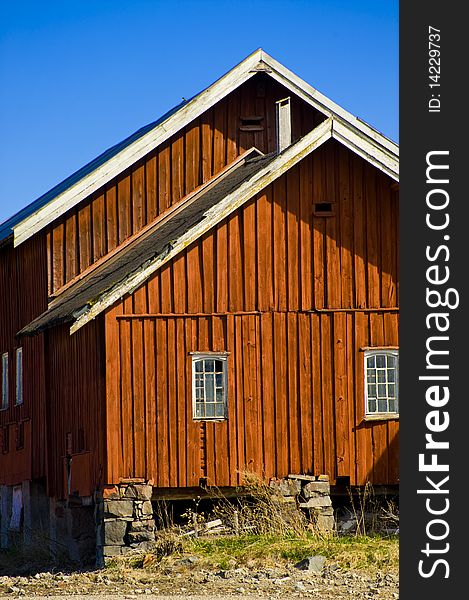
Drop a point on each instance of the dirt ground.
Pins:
(192, 582)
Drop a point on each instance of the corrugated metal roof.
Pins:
(6, 228)
(155, 241)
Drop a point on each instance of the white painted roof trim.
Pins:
(277, 167)
(323, 103)
(187, 113)
(367, 150)
(137, 150)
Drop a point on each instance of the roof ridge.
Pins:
(112, 162)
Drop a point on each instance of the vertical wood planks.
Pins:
(296, 378)
(341, 400)
(139, 216)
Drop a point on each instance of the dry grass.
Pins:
(263, 531)
(372, 514)
(262, 512)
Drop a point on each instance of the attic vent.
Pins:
(251, 123)
(323, 209)
(283, 124)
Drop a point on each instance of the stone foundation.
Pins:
(61, 529)
(124, 518)
(312, 494)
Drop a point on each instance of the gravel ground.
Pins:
(279, 583)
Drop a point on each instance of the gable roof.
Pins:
(98, 172)
(155, 240)
(197, 213)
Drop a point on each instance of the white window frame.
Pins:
(19, 376)
(5, 389)
(388, 413)
(197, 358)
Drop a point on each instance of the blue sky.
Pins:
(77, 76)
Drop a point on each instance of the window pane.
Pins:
(371, 376)
(370, 361)
(391, 375)
(382, 391)
(380, 360)
(210, 410)
(372, 391)
(209, 388)
(382, 405)
(381, 376)
(392, 405)
(371, 405)
(391, 360)
(391, 390)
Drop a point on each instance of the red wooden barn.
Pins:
(218, 293)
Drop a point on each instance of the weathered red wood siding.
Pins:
(23, 296)
(293, 297)
(75, 408)
(199, 151)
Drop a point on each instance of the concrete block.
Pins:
(325, 524)
(287, 487)
(302, 477)
(135, 537)
(5, 512)
(316, 502)
(137, 491)
(114, 533)
(111, 551)
(118, 508)
(316, 487)
(27, 520)
(111, 492)
(147, 508)
(323, 477)
(144, 525)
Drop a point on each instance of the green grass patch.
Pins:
(354, 552)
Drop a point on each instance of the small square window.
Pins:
(209, 386)
(381, 382)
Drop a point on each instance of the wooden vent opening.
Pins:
(252, 123)
(323, 209)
